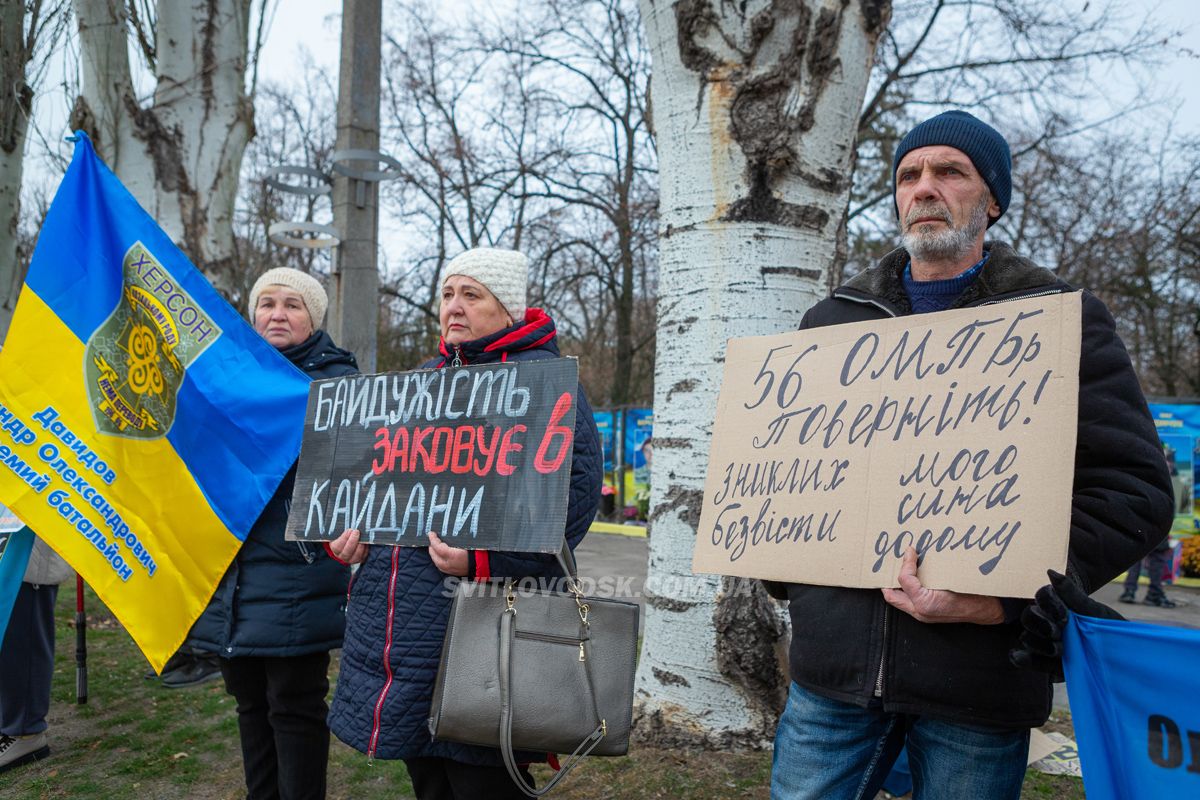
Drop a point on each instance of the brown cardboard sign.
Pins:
(479, 454)
(835, 449)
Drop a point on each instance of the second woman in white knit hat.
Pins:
(399, 603)
(483, 291)
(277, 613)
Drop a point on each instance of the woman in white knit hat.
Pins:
(278, 611)
(398, 605)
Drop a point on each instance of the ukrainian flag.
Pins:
(143, 424)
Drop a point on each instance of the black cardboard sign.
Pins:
(479, 454)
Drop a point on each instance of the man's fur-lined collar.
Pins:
(1004, 273)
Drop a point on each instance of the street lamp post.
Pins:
(355, 190)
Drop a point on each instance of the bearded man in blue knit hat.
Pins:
(875, 670)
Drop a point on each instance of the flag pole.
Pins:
(81, 691)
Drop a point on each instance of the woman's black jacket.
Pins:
(281, 598)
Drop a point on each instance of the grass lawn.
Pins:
(135, 739)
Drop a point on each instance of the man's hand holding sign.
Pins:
(939, 605)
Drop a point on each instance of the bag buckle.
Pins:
(577, 591)
(510, 598)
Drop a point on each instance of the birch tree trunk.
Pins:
(16, 103)
(755, 108)
(29, 29)
(180, 156)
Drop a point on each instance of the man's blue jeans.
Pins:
(830, 750)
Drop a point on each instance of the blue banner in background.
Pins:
(1179, 429)
(1135, 703)
(14, 556)
(604, 424)
(639, 426)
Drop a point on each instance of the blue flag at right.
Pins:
(1135, 702)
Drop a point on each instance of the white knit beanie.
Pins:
(504, 273)
(315, 299)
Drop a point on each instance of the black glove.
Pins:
(1043, 622)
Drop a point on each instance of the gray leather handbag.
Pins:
(537, 670)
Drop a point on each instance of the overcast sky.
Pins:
(319, 29)
(315, 26)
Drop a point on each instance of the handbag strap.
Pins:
(566, 561)
(507, 633)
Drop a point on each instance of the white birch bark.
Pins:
(11, 169)
(755, 109)
(179, 155)
(17, 99)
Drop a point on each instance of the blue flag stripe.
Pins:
(79, 282)
(231, 477)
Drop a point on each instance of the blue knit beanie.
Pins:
(982, 143)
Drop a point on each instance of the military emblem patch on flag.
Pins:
(136, 359)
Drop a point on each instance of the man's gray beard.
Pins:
(950, 243)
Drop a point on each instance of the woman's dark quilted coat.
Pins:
(381, 705)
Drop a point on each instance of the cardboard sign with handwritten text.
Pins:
(835, 449)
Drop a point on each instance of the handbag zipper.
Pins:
(555, 639)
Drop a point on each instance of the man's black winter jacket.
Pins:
(850, 645)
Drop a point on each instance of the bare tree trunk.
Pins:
(623, 368)
(755, 108)
(16, 102)
(26, 26)
(180, 157)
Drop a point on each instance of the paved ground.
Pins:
(610, 558)
(1186, 614)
